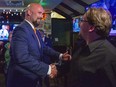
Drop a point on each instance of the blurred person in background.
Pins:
(2, 51)
(1, 46)
(7, 54)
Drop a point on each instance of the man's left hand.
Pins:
(66, 56)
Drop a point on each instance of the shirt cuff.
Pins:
(60, 56)
(49, 70)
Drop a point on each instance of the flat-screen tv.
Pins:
(97, 4)
(76, 27)
(5, 29)
(113, 29)
(4, 32)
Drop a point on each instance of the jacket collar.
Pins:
(92, 46)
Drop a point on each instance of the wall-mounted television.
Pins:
(97, 4)
(4, 32)
(113, 29)
(76, 27)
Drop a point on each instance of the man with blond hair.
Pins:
(94, 65)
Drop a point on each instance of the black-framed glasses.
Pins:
(82, 20)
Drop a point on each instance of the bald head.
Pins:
(33, 6)
(34, 13)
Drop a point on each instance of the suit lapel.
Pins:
(28, 26)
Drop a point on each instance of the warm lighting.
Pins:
(56, 15)
(44, 16)
(9, 16)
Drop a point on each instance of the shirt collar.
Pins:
(96, 44)
(30, 23)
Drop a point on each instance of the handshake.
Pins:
(54, 71)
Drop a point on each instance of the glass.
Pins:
(82, 20)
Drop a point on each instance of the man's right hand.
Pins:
(53, 71)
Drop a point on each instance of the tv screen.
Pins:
(4, 32)
(5, 29)
(113, 29)
(76, 27)
(97, 4)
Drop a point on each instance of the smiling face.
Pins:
(35, 14)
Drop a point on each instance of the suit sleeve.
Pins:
(51, 52)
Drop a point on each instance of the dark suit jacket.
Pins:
(47, 42)
(26, 64)
(94, 65)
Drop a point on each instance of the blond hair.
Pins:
(101, 19)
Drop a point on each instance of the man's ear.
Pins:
(28, 12)
(91, 29)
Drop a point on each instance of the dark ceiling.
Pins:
(67, 8)
(72, 8)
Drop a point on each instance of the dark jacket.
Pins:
(94, 65)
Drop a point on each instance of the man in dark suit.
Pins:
(94, 65)
(27, 50)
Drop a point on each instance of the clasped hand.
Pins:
(66, 56)
(53, 71)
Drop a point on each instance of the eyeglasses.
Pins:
(82, 20)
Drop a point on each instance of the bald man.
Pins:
(27, 51)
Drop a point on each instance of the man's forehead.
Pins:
(34, 6)
(39, 8)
